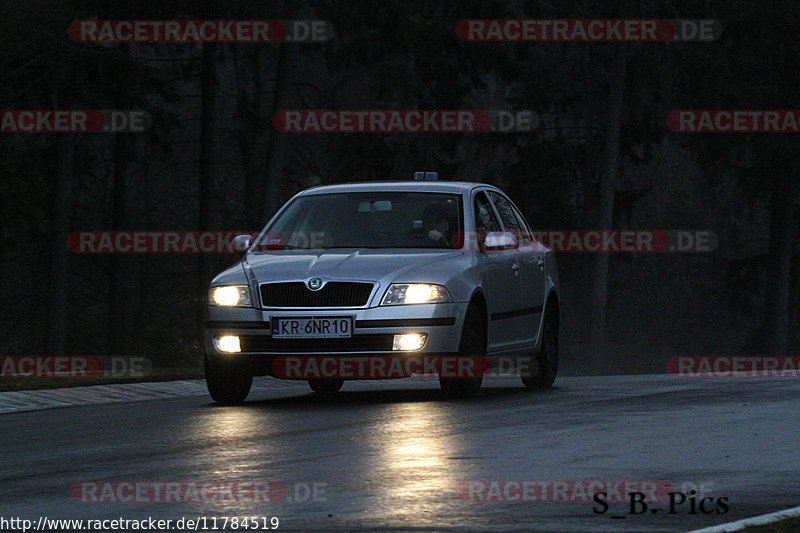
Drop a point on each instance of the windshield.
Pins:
(368, 220)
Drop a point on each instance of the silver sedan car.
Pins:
(386, 280)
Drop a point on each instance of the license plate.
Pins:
(329, 327)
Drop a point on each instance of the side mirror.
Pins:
(499, 240)
(241, 243)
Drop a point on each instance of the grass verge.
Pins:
(155, 374)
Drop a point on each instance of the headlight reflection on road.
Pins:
(233, 445)
(240, 443)
(413, 463)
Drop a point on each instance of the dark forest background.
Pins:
(212, 160)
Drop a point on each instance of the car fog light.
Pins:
(409, 341)
(228, 343)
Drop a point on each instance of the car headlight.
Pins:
(230, 295)
(415, 293)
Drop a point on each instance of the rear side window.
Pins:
(525, 230)
(484, 216)
(512, 219)
(505, 211)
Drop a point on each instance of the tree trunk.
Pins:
(277, 145)
(251, 114)
(605, 211)
(779, 262)
(118, 278)
(119, 292)
(59, 262)
(207, 186)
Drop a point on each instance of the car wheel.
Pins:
(325, 386)
(228, 382)
(546, 361)
(472, 344)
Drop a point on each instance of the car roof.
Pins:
(454, 187)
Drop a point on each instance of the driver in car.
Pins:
(436, 224)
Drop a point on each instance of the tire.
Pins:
(546, 361)
(228, 382)
(473, 344)
(325, 386)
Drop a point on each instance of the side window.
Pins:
(484, 216)
(525, 230)
(506, 212)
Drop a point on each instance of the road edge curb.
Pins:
(761, 520)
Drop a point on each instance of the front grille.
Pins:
(332, 294)
(356, 343)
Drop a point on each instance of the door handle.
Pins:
(515, 268)
(540, 262)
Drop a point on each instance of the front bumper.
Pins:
(373, 331)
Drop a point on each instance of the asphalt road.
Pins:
(393, 455)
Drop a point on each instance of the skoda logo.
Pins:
(315, 284)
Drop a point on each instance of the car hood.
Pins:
(383, 266)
